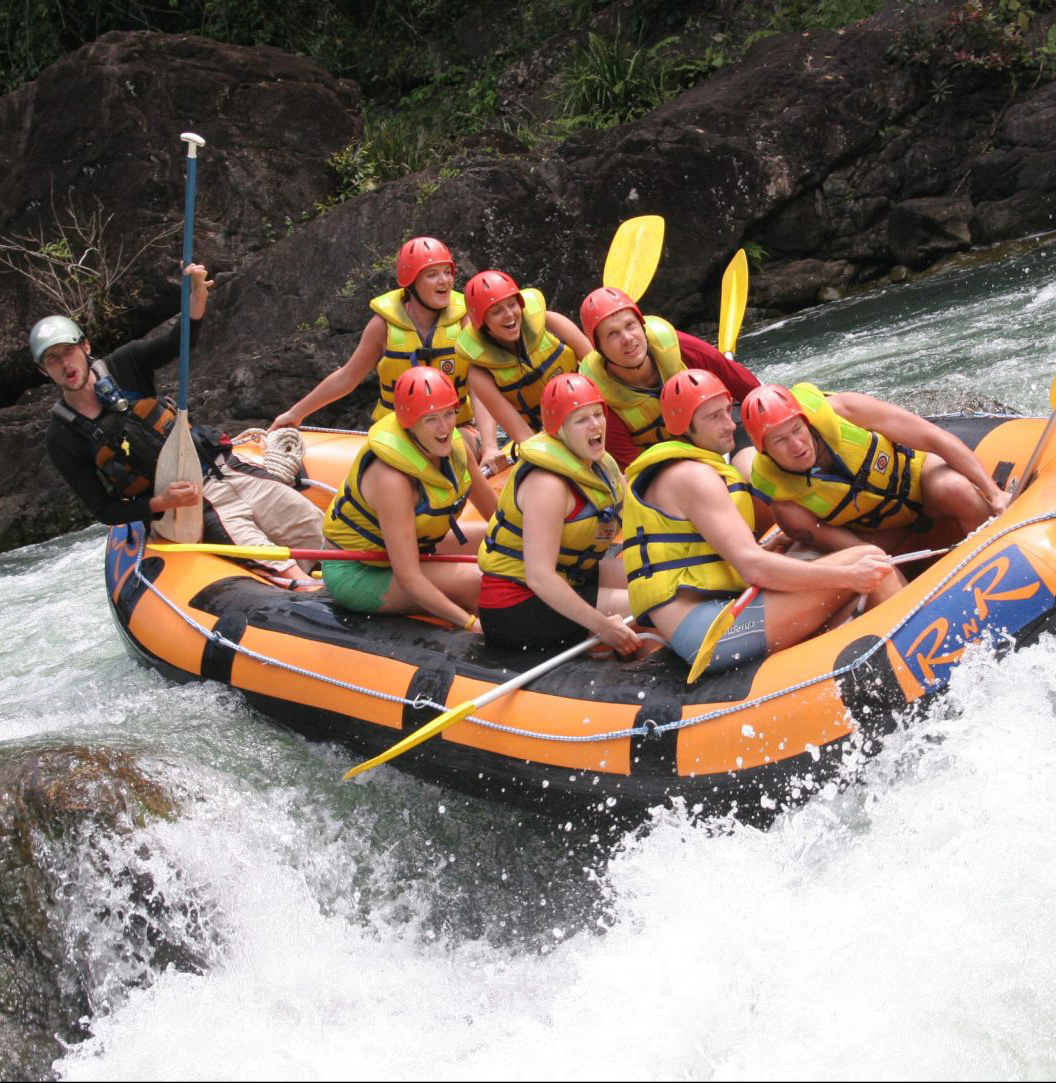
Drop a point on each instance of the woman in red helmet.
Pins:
(515, 347)
(415, 325)
(546, 579)
(401, 499)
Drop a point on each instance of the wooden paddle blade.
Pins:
(734, 301)
(178, 461)
(438, 725)
(719, 627)
(634, 254)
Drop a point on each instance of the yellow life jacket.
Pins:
(404, 349)
(584, 539)
(663, 555)
(352, 523)
(639, 407)
(521, 376)
(876, 483)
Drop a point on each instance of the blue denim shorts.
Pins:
(744, 642)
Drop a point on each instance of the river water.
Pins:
(392, 929)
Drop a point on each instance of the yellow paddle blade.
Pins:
(236, 552)
(438, 724)
(734, 300)
(633, 255)
(719, 627)
(1052, 393)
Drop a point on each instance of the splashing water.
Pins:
(279, 924)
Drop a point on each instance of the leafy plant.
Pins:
(76, 266)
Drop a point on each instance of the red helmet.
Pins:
(486, 289)
(601, 303)
(417, 254)
(564, 394)
(684, 392)
(765, 407)
(422, 390)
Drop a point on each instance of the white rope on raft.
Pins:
(649, 727)
(283, 451)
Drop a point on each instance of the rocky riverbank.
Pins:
(827, 150)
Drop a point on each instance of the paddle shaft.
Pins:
(279, 552)
(193, 143)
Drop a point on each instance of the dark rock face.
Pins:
(845, 168)
(104, 123)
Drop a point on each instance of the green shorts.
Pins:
(356, 586)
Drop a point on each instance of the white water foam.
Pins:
(900, 929)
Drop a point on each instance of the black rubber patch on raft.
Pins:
(871, 690)
(134, 586)
(218, 658)
(656, 753)
(429, 683)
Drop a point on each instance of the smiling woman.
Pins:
(402, 498)
(546, 578)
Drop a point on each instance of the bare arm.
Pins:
(569, 333)
(915, 432)
(701, 496)
(482, 384)
(481, 494)
(806, 528)
(546, 501)
(393, 498)
(342, 381)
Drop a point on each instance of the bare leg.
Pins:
(460, 582)
(949, 495)
(792, 616)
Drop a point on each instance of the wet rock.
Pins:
(58, 807)
(921, 230)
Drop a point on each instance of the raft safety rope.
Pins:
(283, 451)
(648, 727)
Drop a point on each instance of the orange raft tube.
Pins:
(596, 731)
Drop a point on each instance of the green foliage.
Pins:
(989, 34)
(756, 254)
(791, 15)
(612, 80)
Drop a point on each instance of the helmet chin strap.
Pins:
(417, 296)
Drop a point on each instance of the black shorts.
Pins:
(532, 625)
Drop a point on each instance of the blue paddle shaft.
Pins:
(185, 283)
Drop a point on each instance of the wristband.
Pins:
(469, 623)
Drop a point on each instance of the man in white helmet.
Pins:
(109, 426)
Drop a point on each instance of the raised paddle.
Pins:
(178, 460)
(280, 552)
(727, 617)
(634, 254)
(1025, 478)
(732, 305)
(463, 710)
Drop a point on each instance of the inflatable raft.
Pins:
(615, 735)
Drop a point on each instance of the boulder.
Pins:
(101, 129)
